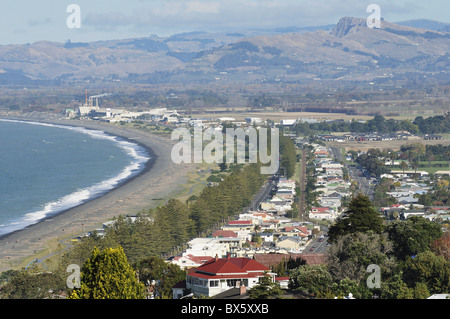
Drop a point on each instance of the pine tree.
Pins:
(360, 216)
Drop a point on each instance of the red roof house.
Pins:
(224, 233)
(221, 274)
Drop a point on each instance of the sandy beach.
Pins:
(162, 178)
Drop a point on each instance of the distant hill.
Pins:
(348, 51)
(424, 24)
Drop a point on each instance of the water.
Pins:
(46, 169)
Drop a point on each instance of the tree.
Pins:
(396, 288)
(346, 286)
(312, 279)
(412, 236)
(351, 254)
(288, 156)
(283, 268)
(403, 166)
(265, 289)
(360, 216)
(107, 275)
(165, 275)
(430, 269)
(441, 246)
(32, 283)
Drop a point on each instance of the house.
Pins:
(322, 213)
(432, 137)
(296, 231)
(321, 153)
(291, 243)
(222, 274)
(257, 217)
(224, 233)
(277, 204)
(266, 237)
(189, 261)
(206, 247)
(239, 225)
(283, 282)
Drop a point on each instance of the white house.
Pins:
(322, 213)
(189, 261)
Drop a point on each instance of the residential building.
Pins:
(189, 261)
(222, 274)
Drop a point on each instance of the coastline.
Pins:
(158, 179)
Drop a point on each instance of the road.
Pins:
(355, 174)
(317, 246)
(262, 194)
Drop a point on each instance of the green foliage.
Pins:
(351, 254)
(428, 269)
(265, 289)
(107, 275)
(31, 283)
(311, 279)
(396, 288)
(283, 268)
(381, 198)
(433, 124)
(344, 287)
(360, 216)
(430, 125)
(372, 162)
(412, 236)
(166, 275)
(288, 156)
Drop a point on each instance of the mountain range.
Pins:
(407, 53)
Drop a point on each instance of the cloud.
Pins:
(213, 15)
(36, 22)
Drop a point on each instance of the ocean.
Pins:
(46, 169)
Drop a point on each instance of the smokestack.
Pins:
(86, 97)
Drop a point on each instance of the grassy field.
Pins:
(394, 145)
(240, 113)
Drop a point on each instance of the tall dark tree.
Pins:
(360, 216)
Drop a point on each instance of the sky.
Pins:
(29, 21)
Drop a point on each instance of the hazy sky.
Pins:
(28, 21)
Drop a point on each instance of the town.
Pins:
(247, 234)
(232, 259)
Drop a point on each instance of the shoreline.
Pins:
(147, 166)
(159, 178)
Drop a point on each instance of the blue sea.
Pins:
(46, 169)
